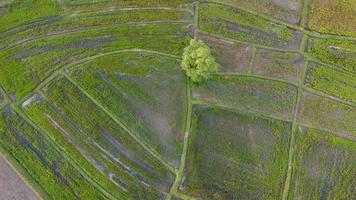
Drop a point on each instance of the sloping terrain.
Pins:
(94, 104)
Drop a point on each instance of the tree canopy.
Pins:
(198, 62)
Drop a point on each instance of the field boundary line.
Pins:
(121, 124)
(180, 173)
(305, 14)
(64, 153)
(287, 183)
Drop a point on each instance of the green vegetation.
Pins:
(198, 62)
(327, 114)
(236, 156)
(241, 25)
(333, 16)
(281, 65)
(324, 166)
(341, 53)
(336, 83)
(249, 94)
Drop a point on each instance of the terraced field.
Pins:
(94, 103)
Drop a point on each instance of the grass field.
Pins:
(94, 103)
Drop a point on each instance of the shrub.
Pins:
(198, 62)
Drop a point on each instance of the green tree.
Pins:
(198, 62)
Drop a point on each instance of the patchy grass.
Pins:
(250, 94)
(146, 92)
(336, 83)
(236, 156)
(281, 65)
(240, 25)
(232, 56)
(333, 16)
(324, 113)
(324, 166)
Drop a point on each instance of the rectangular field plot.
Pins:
(236, 156)
(324, 167)
(341, 53)
(30, 63)
(40, 159)
(241, 25)
(326, 114)
(145, 91)
(67, 113)
(232, 56)
(281, 65)
(286, 10)
(90, 5)
(249, 94)
(333, 16)
(336, 83)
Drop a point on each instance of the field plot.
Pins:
(30, 63)
(145, 91)
(90, 5)
(100, 19)
(325, 166)
(333, 16)
(287, 10)
(249, 94)
(64, 111)
(236, 156)
(281, 65)
(341, 53)
(11, 186)
(240, 25)
(232, 56)
(39, 158)
(327, 114)
(336, 83)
